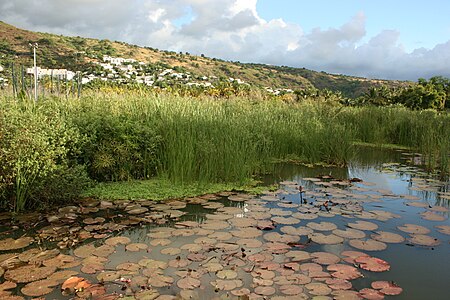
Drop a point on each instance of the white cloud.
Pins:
(231, 29)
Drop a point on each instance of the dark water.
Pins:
(423, 272)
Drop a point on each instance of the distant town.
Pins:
(126, 70)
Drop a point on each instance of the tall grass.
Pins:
(123, 136)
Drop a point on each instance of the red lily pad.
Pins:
(371, 294)
(344, 272)
(372, 264)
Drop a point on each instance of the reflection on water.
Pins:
(391, 194)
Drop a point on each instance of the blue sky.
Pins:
(395, 39)
(420, 23)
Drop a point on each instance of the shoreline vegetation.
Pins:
(54, 150)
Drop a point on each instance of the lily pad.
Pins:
(265, 290)
(160, 281)
(136, 247)
(445, 229)
(188, 283)
(387, 237)
(338, 284)
(368, 245)
(325, 258)
(318, 289)
(118, 240)
(344, 272)
(13, 244)
(324, 239)
(322, 226)
(350, 233)
(29, 273)
(39, 288)
(363, 225)
(387, 288)
(372, 264)
(431, 216)
(424, 240)
(413, 229)
(371, 294)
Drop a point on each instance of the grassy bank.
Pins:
(53, 150)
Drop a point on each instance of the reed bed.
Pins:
(124, 136)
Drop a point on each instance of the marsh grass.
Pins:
(205, 140)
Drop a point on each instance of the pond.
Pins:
(376, 229)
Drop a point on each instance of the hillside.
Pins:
(78, 54)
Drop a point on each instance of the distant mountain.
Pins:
(79, 54)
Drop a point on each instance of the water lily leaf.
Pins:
(368, 245)
(387, 288)
(192, 247)
(160, 242)
(298, 255)
(118, 240)
(73, 284)
(424, 240)
(363, 225)
(242, 222)
(241, 292)
(431, 216)
(350, 256)
(265, 290)
(103, 251)
(372, 264)
(310, 267)
(147, 295)
(187, 224)
(445, 229)
(285, 220)
(344, 272)
(371, 294)
(108, 276)
(221, 236)
(61, 276)
(281, 238)
(128, 266)
(277, 248)
(264, 274)
(322, 226)
(413, 229)
(324, 239)
(179, 263)
(345, 295)
(196, 257)
(171, 251)
(153, 264)
(183, 232)
(296, 230)
(7, 285)
(387, 237)
(247, 233)
(249, 243)
(291, 289)
(84, 251)
(188, 283)
(136, 247)
(29, 273)
(62, 261)
(226, 274)
(39, 288)
(29, 254)
(325, 258)
(350, 233)
(304, 216)
(338, 284)
(318, 289)
(212, 267)
(160, 281)
(214, 225)
(13, 244)
(91, 221)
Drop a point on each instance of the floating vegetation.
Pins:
(277, 246)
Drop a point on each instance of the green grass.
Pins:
(194, 143)
(162, 189)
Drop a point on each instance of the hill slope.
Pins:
(78, 54)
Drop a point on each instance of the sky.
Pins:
(388, 39)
